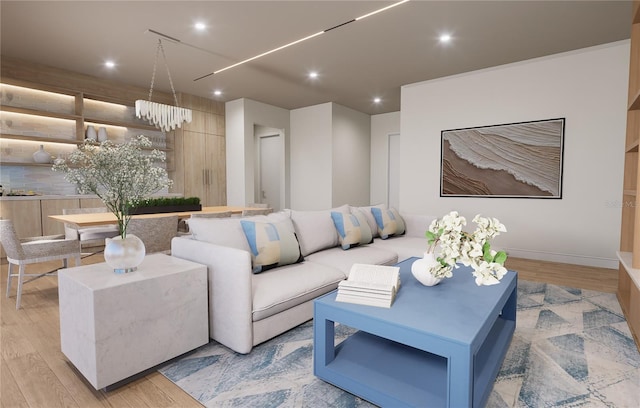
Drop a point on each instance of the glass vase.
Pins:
(124, 255)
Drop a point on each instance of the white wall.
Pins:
(330, 156)
(311, 161)
(587, 87)
(241, 116)
(351, 157)
(381, 127)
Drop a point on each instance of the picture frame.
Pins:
(513, 160)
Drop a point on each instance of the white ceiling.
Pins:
(363, 59)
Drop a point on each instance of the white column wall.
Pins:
(351, 157)
(311, 157)
(241, 116)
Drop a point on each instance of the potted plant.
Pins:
(157, 205)
(121, 175)
(470, 249)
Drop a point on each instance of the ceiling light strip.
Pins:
(381, 10)
(301, 40)
(270, 51)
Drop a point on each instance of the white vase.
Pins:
(41, 156)
(102, 134)
(124, 255)
(91, 133)
(420, 270)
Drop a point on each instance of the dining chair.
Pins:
(258, 205)
(89, 236)
(256, 211)
(224, 214)
(155, 232)
(26, 251)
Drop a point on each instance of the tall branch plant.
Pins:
(121, 175)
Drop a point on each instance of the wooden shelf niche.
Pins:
(629, 269)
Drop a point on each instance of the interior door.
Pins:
(270, 168)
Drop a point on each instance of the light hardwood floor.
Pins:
(35, 373)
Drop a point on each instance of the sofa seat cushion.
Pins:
(404, 246)
(343, 260)
(288, 286)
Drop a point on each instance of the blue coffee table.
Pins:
(439, 346)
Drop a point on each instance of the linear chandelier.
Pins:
(302, 39)
(164, 117)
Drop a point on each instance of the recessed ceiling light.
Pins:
(109, 64)
(445, 38)
(313, 74)
(377, 100)
(200, 26)
(217, 92)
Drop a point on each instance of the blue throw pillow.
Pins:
(353, 229)
(272, 244)
(389, 222)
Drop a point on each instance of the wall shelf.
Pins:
(121, 124)
(9, 163)
(40, 139)
(629, 269)
(35, 112)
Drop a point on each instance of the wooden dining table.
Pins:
(108, 218)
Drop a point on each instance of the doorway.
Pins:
(268, 178)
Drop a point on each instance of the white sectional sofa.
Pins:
(250, 303)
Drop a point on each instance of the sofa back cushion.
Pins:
(272, 244)
(353, 229)
(389, 222)
(228, 231)
(315, 229)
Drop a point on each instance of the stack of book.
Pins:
(373, 285)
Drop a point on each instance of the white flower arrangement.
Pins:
(119, 174)
(470, 249)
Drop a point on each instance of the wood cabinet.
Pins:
(203, 176)
(55, 207)
(200, 152)
(629, 269)
(25, 215)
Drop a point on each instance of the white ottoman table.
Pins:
(115, 326)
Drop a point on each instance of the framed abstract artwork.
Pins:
(515, 160)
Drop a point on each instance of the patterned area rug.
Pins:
(571, 348)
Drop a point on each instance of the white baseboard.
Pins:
(598, 262)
